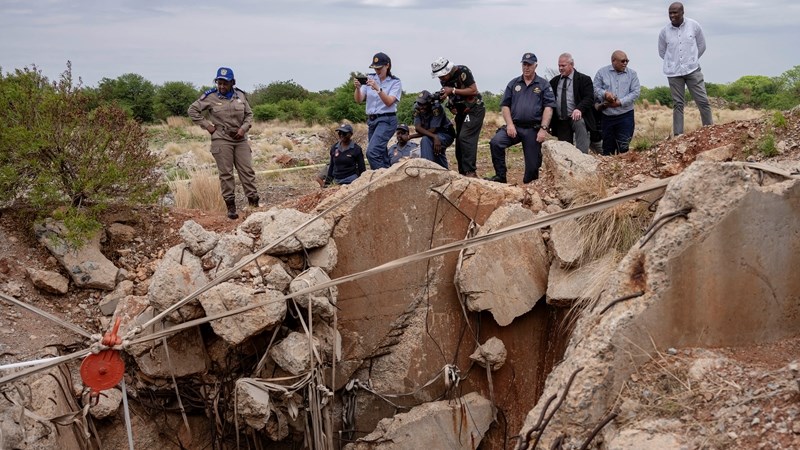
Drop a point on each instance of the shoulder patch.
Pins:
(463, 76)
(208, 92)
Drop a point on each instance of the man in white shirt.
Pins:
(680, 45)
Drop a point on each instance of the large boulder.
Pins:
(569, 167)
(508, 287)
(199, 240)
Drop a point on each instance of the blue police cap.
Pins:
(224, 73)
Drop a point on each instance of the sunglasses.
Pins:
(624, 61)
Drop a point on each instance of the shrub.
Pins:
(277, 91)
(778, 120)
(342, 107)
(312, 112)
(266, 112)
(56, 153)
(173, 99)
(767, 145)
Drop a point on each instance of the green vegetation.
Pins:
(778, 120)
(173, 99)
(57, 153)
(767, 145)
(753, 91)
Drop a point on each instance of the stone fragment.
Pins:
(199, 240)
(186, 356)
(252, 402)
(491, 352)
(118, 232)
(179, 274)
(236, 329)
(434, 425)
(324, 257)
(565, 287)
(292, 354)
(107, 404)
(321, 302)
(278, 278)
(279, 222)
(230, 249)
(49, 281)
(506, 287)
(109, 303)
(567, 241)
(87, 266)
(568, 166)
(719, 154)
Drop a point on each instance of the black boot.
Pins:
(231, 204)
(253, 201)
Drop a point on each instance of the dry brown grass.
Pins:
(615, 228)
(179, 122)
(200, 191)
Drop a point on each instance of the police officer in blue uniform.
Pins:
(527, 108)
(431, 123)
(229, 117)
(382, 93)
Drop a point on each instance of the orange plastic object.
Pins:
(104, 370)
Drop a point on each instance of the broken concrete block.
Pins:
(492, 353)
(278, 222)
(252, 402)
(230, 249)
(434, 425)
(324, 257)
(567, 242)
(109, 303)
(187, 356)
(566, 287)
(236, 329)
(330, 341)
(198, 239)
(321, 302)
(87, 266)
(49, 281)
(293, 353)
(179, 274)
(568, 166)
(107, 404)
(506, 287)
(278, 278)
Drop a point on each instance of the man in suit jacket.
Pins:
(574, 103)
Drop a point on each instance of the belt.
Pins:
(375, 116)
(524, 124)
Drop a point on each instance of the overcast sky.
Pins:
(317, 43)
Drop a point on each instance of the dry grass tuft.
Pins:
(615, 228)
(179, 122)
(200, 191)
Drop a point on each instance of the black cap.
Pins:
(424, 98)
(403, 127)
(379, 60)
(345, 128)
(529, 58)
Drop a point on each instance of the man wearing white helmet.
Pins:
(465, 102)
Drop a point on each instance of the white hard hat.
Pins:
(441, 67)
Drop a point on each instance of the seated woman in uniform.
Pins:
(347, 158)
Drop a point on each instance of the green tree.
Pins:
(131, 92)
(173, 99)
(277, 91)
(752, 90)
(55, 152)
(343, 107)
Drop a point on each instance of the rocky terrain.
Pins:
(717, 395)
